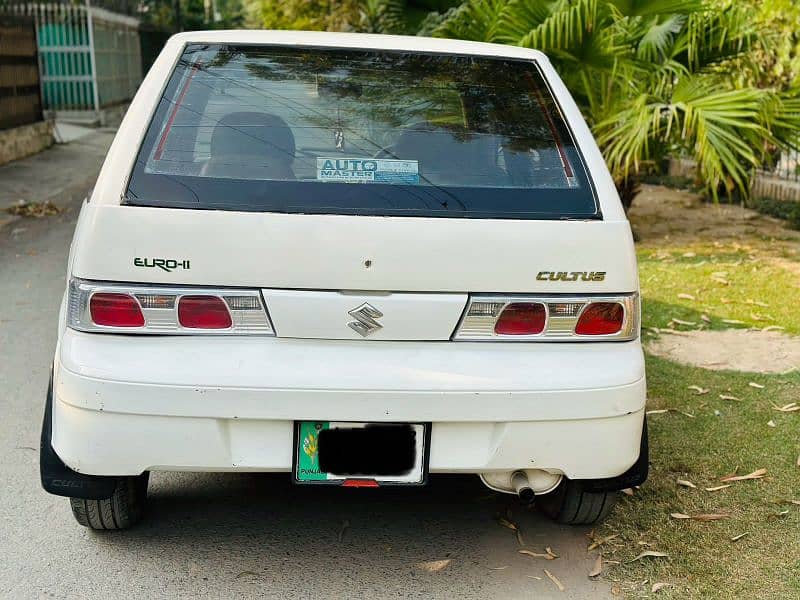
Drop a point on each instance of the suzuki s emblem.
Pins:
(365, 322)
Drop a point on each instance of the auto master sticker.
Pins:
(367, 170)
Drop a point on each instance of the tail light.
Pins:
(521, 318)
(203, 312)
(108, 307)
(115, 310)
(601, 318)
(550, 318)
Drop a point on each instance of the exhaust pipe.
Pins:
(524, 482)
(521, 485)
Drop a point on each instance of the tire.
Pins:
(122, 510)
(571, 505)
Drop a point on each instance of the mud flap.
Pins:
(58, 478)
(636, 475)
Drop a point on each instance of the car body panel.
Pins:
(338, 252)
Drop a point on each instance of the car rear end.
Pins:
(358, 260)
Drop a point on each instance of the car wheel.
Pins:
(123, 509)
(571, 505)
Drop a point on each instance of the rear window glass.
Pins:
(308, 130)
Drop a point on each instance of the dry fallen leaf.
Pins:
(718, 488)
(733, 321)
(736, 538)
(729, 397)
(534, 577)
(705, 318)
(544, 555)
(598, 566)
(506, 523)
(520, 541)
(758, 386)
(757, 474)
(709, 517)
(659, 586)
(681, 322)
(434, 566)
(659, 411)
(686, 297)
(679, 516)
(791, 407)
(700, 390)
(771, 423)
(650, 554)
(601, 541)
(684, 483)
(555, 580)
(498, 568)
(773, 328)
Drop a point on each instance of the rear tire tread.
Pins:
(571, 505)
(122, 510)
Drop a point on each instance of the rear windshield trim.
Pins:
(563, 127)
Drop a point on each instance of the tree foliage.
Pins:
(655, 77)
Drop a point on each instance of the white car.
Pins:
(355, 259)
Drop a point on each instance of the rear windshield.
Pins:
(368, 132)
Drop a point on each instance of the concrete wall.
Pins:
(25, 140)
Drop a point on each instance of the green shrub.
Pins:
(782, 209)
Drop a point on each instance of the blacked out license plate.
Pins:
(335, 452)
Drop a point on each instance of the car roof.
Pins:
(368, 41)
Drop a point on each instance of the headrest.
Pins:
(253, 134)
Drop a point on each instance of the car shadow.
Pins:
(249, 532)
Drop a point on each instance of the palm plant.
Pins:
(379, 16)
(653, 77)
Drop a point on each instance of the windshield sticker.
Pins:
(367, 170)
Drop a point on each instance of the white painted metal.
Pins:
(326, 315)
(123, 404)
(329, 252)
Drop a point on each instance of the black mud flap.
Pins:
(58, 478)
(636, 475)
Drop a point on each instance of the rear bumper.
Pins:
(125, 404)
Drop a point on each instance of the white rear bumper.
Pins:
(126, 405)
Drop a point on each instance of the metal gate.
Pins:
(89, 57)
(20, 103)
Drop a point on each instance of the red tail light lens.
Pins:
(116, 310)
(601, 318)
(521, 318)
(203, 312)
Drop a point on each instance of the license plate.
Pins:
(335, 452)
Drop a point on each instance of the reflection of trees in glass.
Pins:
(464, 95)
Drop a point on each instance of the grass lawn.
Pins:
(702, 438)
(718, 287)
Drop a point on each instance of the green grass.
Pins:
(703, 437)
(723, 437)
(731, 283)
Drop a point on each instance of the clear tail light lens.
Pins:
(550, 318)
(521, 318)
(115, 310)
(160, 309)
(601, 318)
(203, 312)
